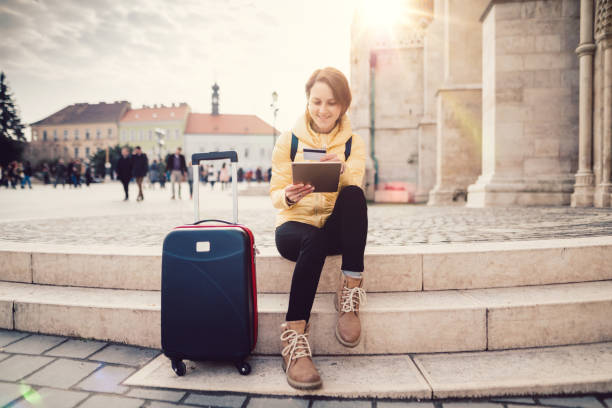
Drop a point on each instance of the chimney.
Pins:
(215, 99)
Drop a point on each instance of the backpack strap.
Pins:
(347, 148)
(294, 146)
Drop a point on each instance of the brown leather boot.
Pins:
(349, 296)
(297, 357)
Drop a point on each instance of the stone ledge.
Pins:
(437, 321)
(541, 371)
(388, 269)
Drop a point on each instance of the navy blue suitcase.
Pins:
(208, 290)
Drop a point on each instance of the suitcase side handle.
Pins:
(221, 221)
(231, 155)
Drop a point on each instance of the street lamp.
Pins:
(274, 106)
(160, 133)
(107, 167)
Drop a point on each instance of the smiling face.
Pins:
(323, 107)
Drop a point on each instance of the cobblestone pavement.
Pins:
(59, 372)
(97, 216)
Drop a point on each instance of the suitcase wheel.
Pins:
(243, 367)
(179, 367)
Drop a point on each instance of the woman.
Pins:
(312, 225)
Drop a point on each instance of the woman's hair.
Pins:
(336, 81)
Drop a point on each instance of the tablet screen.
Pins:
(324, 176)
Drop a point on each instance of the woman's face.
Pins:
(323, 107)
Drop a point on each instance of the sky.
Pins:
(59, 52)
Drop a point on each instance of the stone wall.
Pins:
(530, 103)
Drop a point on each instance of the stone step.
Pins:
(525, 372)
(388, 269)
(393, 323)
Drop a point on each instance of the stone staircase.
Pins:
(490, 299)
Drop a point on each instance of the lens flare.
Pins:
(30, 394)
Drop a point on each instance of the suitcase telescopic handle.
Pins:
(196, 158)
(231, 155)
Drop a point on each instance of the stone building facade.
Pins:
(515, 107)
(77, 131)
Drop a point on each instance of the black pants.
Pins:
(345, 233)
(125, 183)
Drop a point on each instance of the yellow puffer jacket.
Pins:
(315, 208)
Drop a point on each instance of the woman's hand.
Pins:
(295, 192)
(333, 157)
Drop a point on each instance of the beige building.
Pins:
(77, 131)
(505, 102)
(158, 130)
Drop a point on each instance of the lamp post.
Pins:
(107, 167)
(160, 133)
(274, 106)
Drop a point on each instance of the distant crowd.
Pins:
(75, 173)
(131, 166)
(135, 166)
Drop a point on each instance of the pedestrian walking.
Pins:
(224, 176)
(190, 179)
(13, 173)
(212, 177)
(27, 174)
(60, 173)
(140, 167)
(178, 170)
(162, 175)
(45, 172)
(153, 173)
(258, 175)
(88, 176)
(311, 225)
(124, 171)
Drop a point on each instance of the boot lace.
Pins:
(298, 346)
(352, 298)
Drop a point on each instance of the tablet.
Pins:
(324, 176)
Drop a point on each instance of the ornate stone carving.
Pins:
(603, 18)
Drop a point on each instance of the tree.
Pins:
(98, 160)
(12, 139)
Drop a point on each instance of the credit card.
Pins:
(314, 154)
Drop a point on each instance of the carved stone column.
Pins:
(459, 104)
(603, 36)
(584, 187)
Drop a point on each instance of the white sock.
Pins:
(351, 274)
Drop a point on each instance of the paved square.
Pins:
(9, 336)
(35, 344)
(341, 404)
(50, 398)
(162, 395)
(125, 355)
(107, 379)
(233, 401)
(17, 367)
(62, 373)
(278, 403)
(157, 404)
(9, 392)
(76, 348)
(582, 402)
(404, 404)
(111, 401)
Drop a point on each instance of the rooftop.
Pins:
(157, 113)
(206, 123)
(87, 113)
